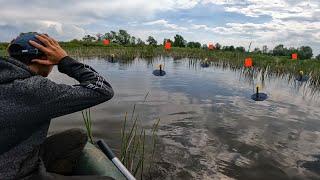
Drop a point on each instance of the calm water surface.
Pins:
(209, 128)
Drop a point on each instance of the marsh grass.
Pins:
(133, 144)
(86, 115)
(279, 66)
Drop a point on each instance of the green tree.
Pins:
(133, 40)
(74, 41)
(165, 40)
(305, 52)
(257, 50)
(204, 46)
(280, 50)
(99, 36)
(193, 45)
(318, 57)
(265, 49)
(240, 49)
(109, 36)
(291, 50)
(218, 46)
(228, 48)
(88, 38)
(140, 42)
(179, 41)
(152, 41)
(114, 37)
(123, 37)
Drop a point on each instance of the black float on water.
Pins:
(301, 77)
(204, 63)
(259, 96)
(112, 59)
(159, 72)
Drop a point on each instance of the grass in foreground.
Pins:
(133, 142)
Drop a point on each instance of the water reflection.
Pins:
(210, 128)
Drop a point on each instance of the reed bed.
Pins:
(276, 65)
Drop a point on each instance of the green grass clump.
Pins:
(133, 145)
(133, 142)
(86, 115)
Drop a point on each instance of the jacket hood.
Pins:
(11, 69)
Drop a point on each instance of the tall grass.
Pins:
(86, 115)
(133, 144)
(133, 141)
(276, 65)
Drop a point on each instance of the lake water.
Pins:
(209, 127)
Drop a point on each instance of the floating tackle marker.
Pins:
(159, 72)
(112, 58)
(302, 77)
(259, 96)
(205, 63)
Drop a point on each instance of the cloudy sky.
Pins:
(238, 22)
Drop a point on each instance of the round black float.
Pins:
(259, 96)
(111, 60)
(205, 63)
(301, 77)
(159, 72)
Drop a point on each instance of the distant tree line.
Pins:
(304, 52)
(122, 37)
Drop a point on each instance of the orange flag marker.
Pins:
(248, 62)
(106, 42)
(211, 46)
(294, 56)
(167, 45)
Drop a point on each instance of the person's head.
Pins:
(21, 50)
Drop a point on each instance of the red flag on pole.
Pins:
(294, 56)
(211, 46)
(248, 62)
(167, 45)
(106, 42)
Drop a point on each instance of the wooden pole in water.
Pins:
(257, 94)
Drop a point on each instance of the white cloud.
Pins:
(293, 22)
(60, 16)
(277, 9)
(166, 24)
(200, 26)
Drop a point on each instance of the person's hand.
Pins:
(52, 50)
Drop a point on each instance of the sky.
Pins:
(230, 22)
